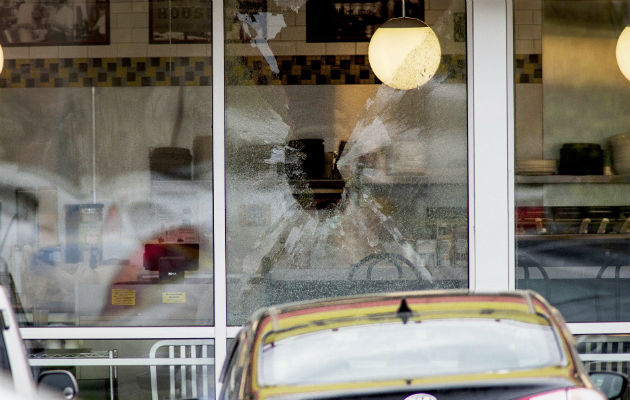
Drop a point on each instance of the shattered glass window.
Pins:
(336, 183)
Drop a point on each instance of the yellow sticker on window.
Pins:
(173, 297)
(123, 297)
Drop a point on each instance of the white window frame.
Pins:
(491, 181)
(490, 148)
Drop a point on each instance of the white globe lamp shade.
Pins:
(623, 52)
(1, 59)
(404, 53)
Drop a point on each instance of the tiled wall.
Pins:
(107, 72)
(528, 68)
(528, 77)
(327, 70)
(197, 71)
(129, 37)
(129, 40)
(439, 14)
(129, 34)
(528, 26)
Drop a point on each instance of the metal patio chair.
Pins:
(188, 363)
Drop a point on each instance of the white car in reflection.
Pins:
(72, 266)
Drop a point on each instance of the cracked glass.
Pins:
(336, 183)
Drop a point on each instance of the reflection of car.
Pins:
(14, 365)
(65, 254)
(429, 345)
(9, 392)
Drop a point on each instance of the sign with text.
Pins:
(123, 297)
(180, 21)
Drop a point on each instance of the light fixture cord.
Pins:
(403, 6)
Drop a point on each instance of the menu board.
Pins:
(180, 21)
(354, 21)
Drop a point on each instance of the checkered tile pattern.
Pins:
(106, 72)
(197, 71)
(528, 68)
(324, 70)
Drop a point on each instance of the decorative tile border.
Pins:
(324, 70)
(197, 71)
(528, 68)
(106, 72)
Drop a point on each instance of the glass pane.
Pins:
(389, 351)
(338, 184)
(106, 196)
(93, 362)
(572, 145)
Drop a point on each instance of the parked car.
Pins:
(425, 345)
(9, 392)
(16, 370)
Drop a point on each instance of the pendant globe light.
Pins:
(1, 59)
(404, 53)
(623, 52)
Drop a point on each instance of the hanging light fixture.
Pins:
(1, 59)
(623, 52)
(404, 53)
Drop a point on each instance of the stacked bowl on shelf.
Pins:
(619, 146)
(536, 167)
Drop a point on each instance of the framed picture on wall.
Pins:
(180, 21)
(354, 21)
(54, 22)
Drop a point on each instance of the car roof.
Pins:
(285, 316)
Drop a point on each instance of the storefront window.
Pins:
(337, 184)
(106, 194)
(572, 156)
(131, 369)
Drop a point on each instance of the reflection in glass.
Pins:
(105, 205)
(106, 165)
(337, 184)
(572, 164)
(93, 364)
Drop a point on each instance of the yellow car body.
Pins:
(259, 364)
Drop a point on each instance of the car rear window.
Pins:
(397, 350)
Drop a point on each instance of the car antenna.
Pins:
(404, 312)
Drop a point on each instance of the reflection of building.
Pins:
(424, 177)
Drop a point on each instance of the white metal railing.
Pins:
(95, 333)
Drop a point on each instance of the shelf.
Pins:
(433, 176)
(446, 176)
(563, 237)
(555, 179)
(318, 191)
(318, 183)
(394, 179)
